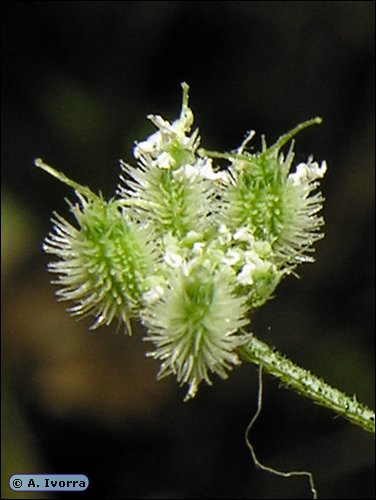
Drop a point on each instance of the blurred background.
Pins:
(79, 79)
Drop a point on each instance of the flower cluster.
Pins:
(187, 247)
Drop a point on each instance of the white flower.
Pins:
(245, 276)
(308, 172)
(171, 146)
(233, 257)
(254, 267)
(206, 171)
(149, 147)
(173, 259)
(244, 234)
(224, 234)
(164, 160)
(189, 172)
(153, 294)
(198, 247)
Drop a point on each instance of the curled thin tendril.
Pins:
(254, 457)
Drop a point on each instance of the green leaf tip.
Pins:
(185, 87)
(84, 190)
(285, 138)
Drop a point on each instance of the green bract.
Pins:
(188, 248)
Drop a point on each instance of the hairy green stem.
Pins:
(307, 384)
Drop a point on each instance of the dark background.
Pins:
(79, 79)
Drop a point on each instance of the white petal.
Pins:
(243, 234)
(245, 277)
(173, 259)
